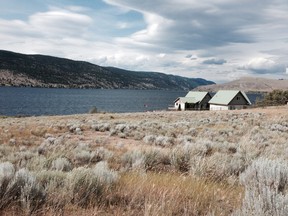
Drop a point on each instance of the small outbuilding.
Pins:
(194, 100)
(229, 100)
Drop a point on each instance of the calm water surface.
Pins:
(45, 101)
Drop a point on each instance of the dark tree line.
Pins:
(274, 98)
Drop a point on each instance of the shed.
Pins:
(229, 100)
(194, 100)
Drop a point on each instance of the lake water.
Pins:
(44, 101)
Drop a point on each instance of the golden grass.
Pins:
(175, 194)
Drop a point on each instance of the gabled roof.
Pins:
(193, 97)
(187, 99)
(199, 96)
(224, 97)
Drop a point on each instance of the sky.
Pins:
(218, 40)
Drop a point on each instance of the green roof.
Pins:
(224, 97)
(193, 97)
(187, 100)
(199, 96)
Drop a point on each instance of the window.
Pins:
(237, 98)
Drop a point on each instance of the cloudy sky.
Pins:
(219, 40)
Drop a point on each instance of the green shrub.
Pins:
(274, 98)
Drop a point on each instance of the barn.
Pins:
(194, 100)
(229, 100)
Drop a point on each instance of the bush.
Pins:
(274, 98)
(152, 159)
(265, 184)
(164, 141)
(102, 127)
(133, 159)
(180, 159)
(93, 110)
(183, 157)
(24, 190)
(6, 174)
(53, 183)
(61, 164)
(149, 139)
(87, 185)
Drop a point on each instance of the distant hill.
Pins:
(248, 84)
(46, 71)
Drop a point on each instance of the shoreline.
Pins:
(253, 109)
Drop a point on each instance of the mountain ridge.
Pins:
(18, 69)
(248, 84)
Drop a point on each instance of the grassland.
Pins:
(155, 163)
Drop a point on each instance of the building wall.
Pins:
(204, 103)
(238, 100)
(218, 107)
(229, 107)
(179, 104)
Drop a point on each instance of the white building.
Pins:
(229, 100)
(194, 100)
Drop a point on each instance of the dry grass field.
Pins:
(154, 163)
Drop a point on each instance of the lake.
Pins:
(52, 101)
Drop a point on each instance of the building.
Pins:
(194, 100)
(229, 100)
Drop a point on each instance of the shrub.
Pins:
(24, 190)
(37, 163)
(87, 185)
(274, 98)
(82, 186)
(164, 141)
(133, 159)
(82, 157)
(265, 184)
(181, 156)
(102, 127)
(180, 159)
(149, 139)
(145, 160)
(61, 164)
(6, 174)
(53, 183)
(100, 154)
(218, 166)
(93, 110)
(104, 174)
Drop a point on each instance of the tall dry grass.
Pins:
(161, 163)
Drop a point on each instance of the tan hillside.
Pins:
(246, 84)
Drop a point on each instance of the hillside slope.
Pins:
(250, 84)
(46, 71)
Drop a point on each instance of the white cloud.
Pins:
(161, 55)
(53, 32)
(59, 23)
(263, 66)
(222, 37)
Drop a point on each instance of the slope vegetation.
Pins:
(46, 71)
